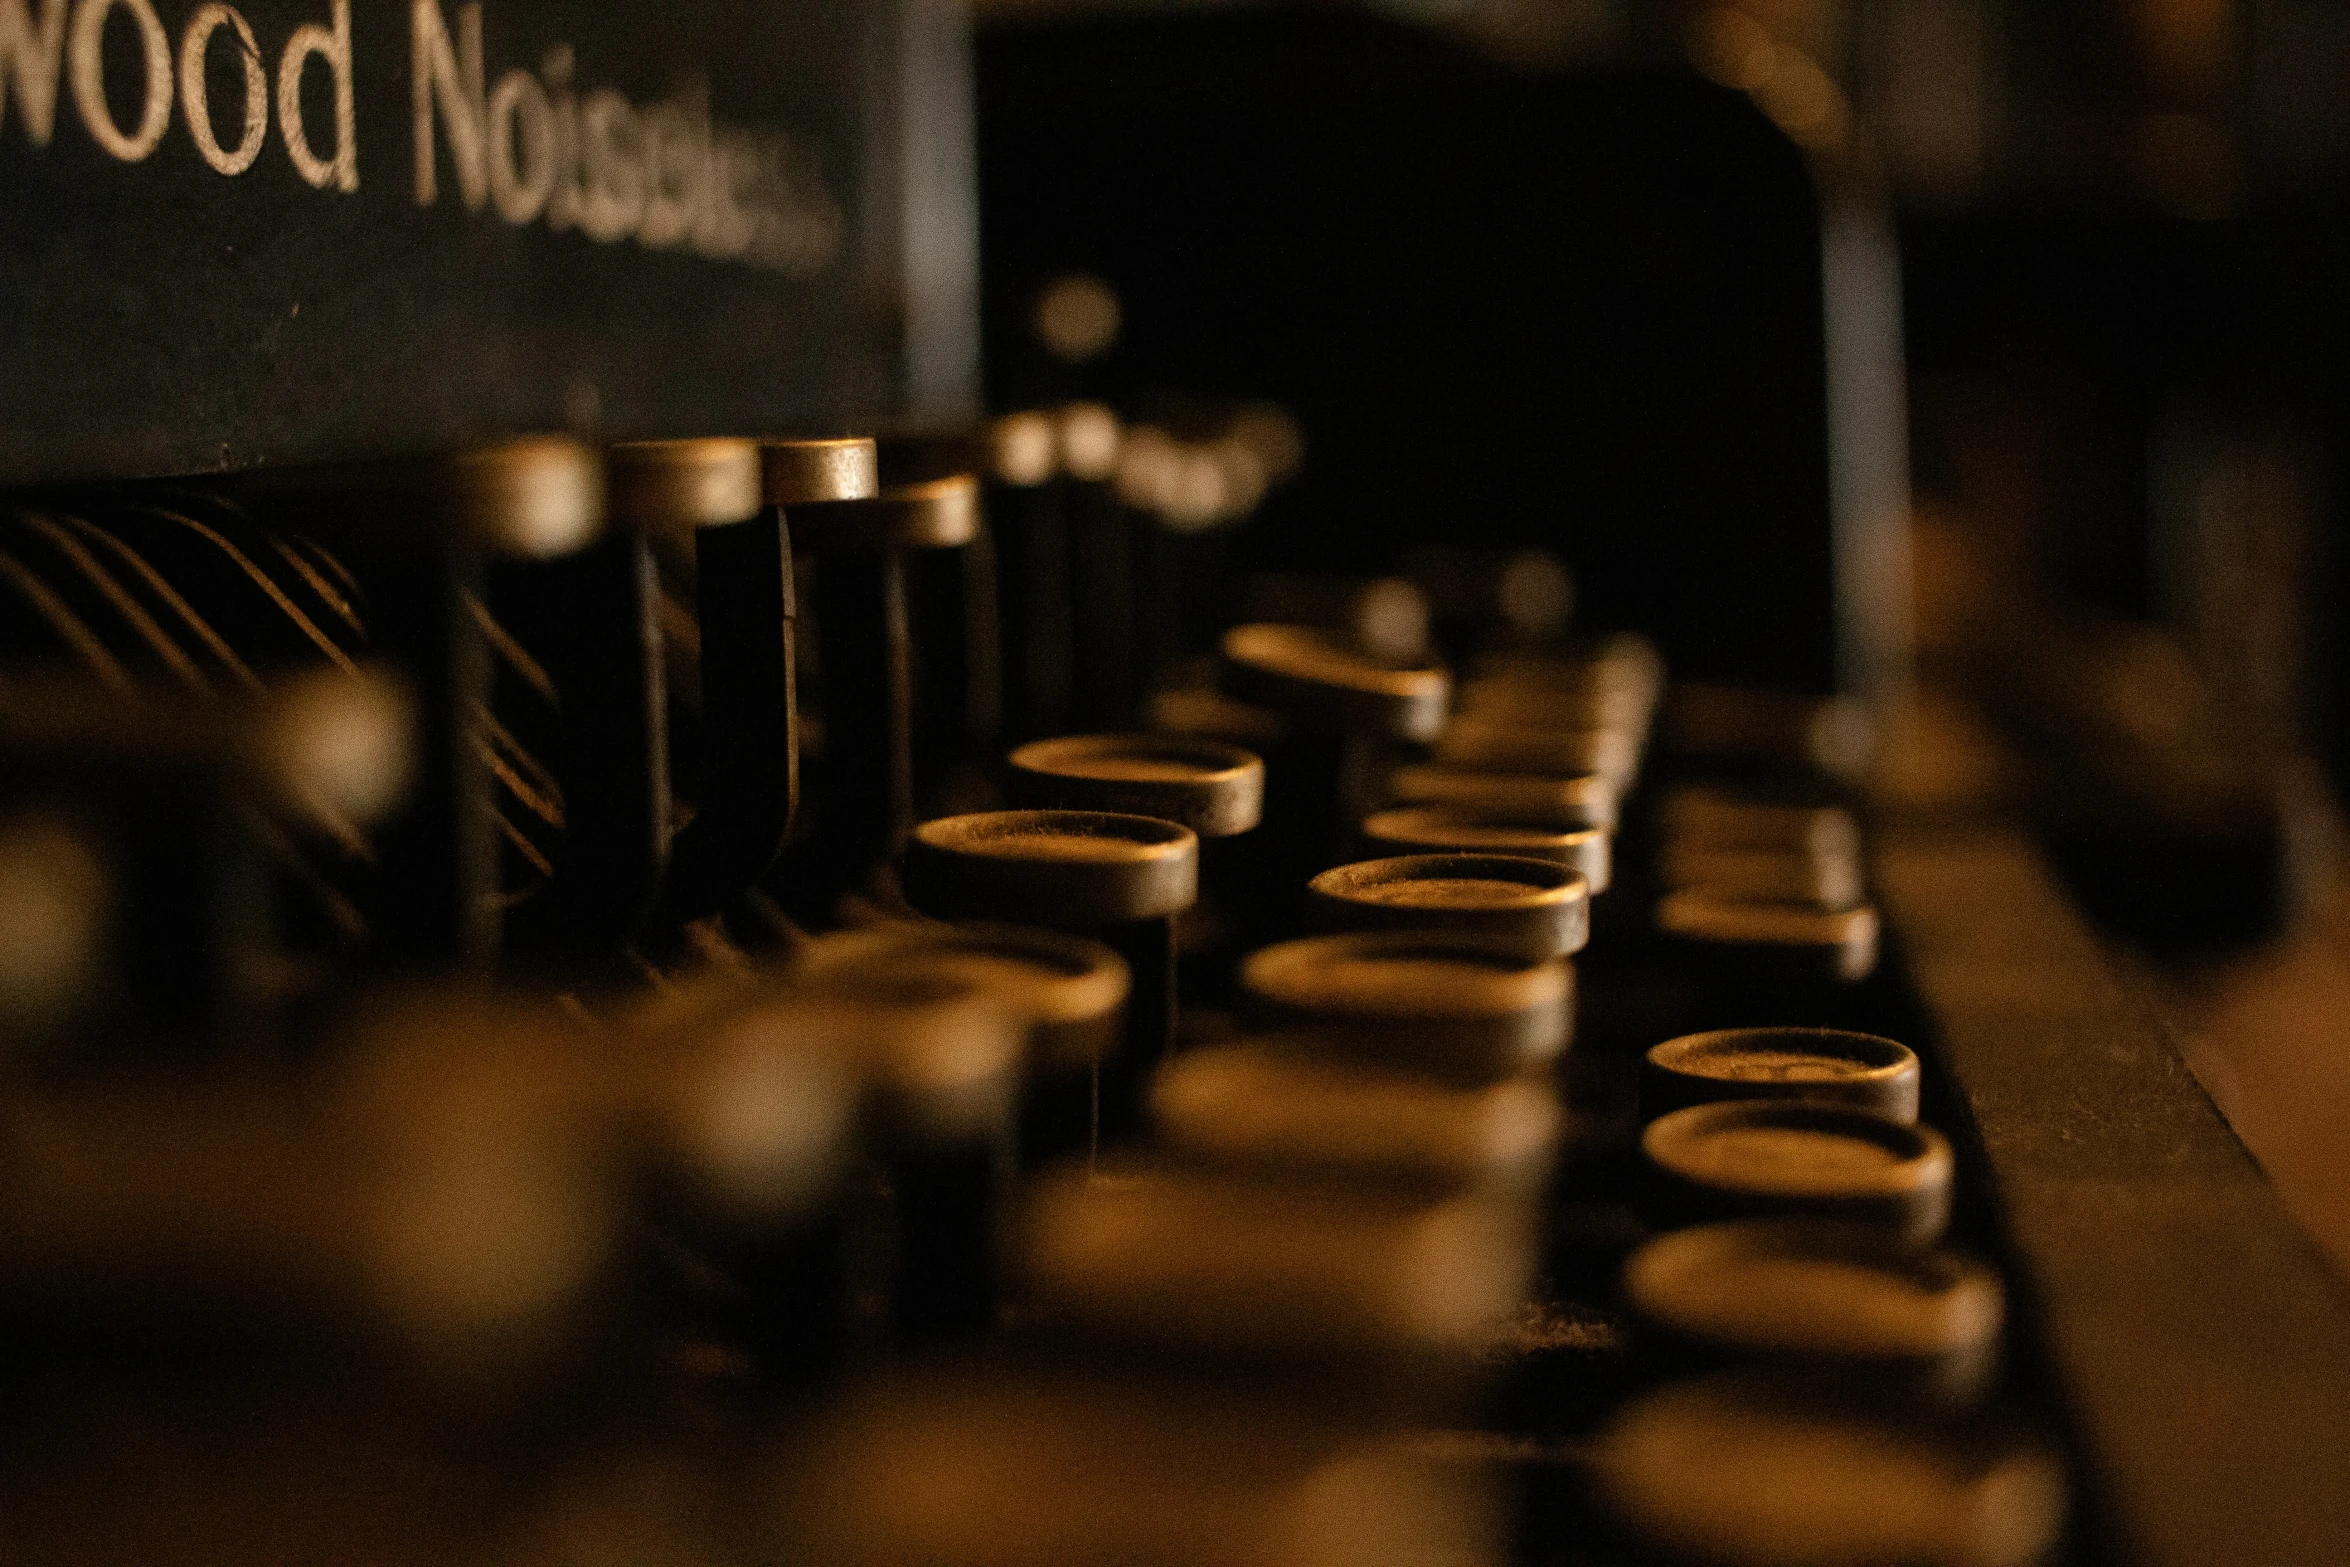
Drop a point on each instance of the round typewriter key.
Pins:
(1062, 869)
(1762, 1158)
(1424, 829)
(595, 628)
(1532, 705)
(533, 498)
(1791, 942)
(1739, 1470)
(1449, 1007)
(1068, 991)
(1534, 907)
(1582, 800)
(1123, 878)
(1216, 790)
(1830, 881)
(866, 655)
(1318, 682)
(673, 486)
(1495, 746)
(1824, 1065)
(1722, 819)
(1623, 661)
(1250, 1268)
(939, 1058)
(794, 473)
(938, 514)
(983, 1469)
(1908, 1328)
(1345, 713)
(1257, 1107)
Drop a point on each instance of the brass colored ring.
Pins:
(1449, 1007)
(1833, 944)
(1535, 907)
(1068, 990)
(1573, 800)
(666, 486)
(1826, 1296)
(1824, 1065)
(1423, 829)
(1216, 790)
(1317, 681)
(1772, 1158)
(795, 473)
(536, 498)
(1062, 869)
(941, 514)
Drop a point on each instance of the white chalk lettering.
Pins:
(664, 174)
(195, 93)
(563, 203)
(522, 167)
(86, 72)
(333, 46)
(452, 79)
(32, 60)
(611, 167)
(547, 146)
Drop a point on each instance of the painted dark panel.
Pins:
(162, 316)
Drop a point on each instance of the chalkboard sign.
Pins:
(299, 230)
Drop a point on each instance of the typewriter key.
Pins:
(1823, 1065)
(1216, 790)
(593, 622)
(796, 473)
(1762, 875)
(1069, 992)
(1028, 516)
(1831, 1301)
(1623, 661)
(1344, 711)
(1192, 1261)
(865, 647)
(1775, 944)
(1584, 800)
(1258, 1107)
(746, 604)
(1740, 1472)
(1123, 878)
(1318, 682)
(1433, 829)
(1533, 907)
(1765, 1158)
(436, 1188)
(1485, 744)
(941, 1057)
(1718, 818)
(1450, 1008)
(983, 1471)
(1066, 870)
(1507, 702)
(749, 1112)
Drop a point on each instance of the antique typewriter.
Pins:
(644, 921)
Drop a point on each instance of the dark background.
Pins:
(1509, 308)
